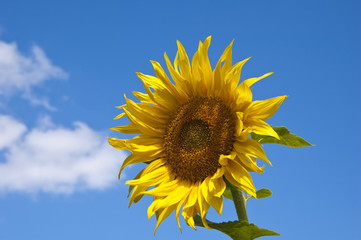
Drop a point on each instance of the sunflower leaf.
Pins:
(237, 230)
(286, 138)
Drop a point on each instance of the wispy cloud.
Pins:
(20, 73)
(51, 158)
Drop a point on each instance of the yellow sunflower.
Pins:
(194, 134)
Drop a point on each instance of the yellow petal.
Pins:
(143, 127)
(163, 190)
(249, 82)
(197, 74)
(152, 81)
(233, 76)
(132, 159)
(154, 110)
(127, 129)
(244, 97)
(219, 173)
(184, 65)
(131, 187)
(143, 97)
(153, 177)
(118, 143)
(218, 80)
(205, 66)
(137, 194)
(164, 213)
(150, 115)
(162, 95)
(215, 201)
(227, 55)
(239, 177)
(192, 198)
(144, 145)
(172, 198)
(178, 79)
(144, 140)
(203, 207)
(251, 147)
(179, 205)
(260, 127)
(249, 163)
(239, 123)
(217, 187)
(160, 73)
(265, 109)
(119, 116)
(188, 215)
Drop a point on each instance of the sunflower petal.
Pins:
(244, 97)
(265, 109)
(143, 127)
(249, 82)
(217, 186)
(239, 177)
(164, 214)
(137, 194)
(160, 73)
(173, 198)
(234, 74)
(132, 159)
(127, 129)
(119, 116)
(205, 66)
(184, 65)
(150, 118)
(203, 207)
(251, 147)
(150, 178)
(227, 56)
(249, 163)
(143, 97)
(260, 127)
(188, 215)
(178, 79)
(163, 190)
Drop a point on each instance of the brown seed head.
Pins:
(201, 130)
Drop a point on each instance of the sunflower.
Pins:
(194, 134)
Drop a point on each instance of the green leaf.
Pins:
(237, 230)
(286, 138)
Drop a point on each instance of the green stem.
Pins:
(239, 203)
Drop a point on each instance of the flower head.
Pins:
(194, 133)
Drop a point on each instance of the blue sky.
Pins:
(65, 65)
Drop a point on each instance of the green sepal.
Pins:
(262, 193)
(237, 230)
(227, 193)
(286, 138)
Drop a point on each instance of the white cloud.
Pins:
(55, 159)
(19, 73)
(10, 131)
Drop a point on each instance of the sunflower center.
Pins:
(201, 130)
(194, 135)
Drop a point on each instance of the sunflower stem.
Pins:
(239, 203)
